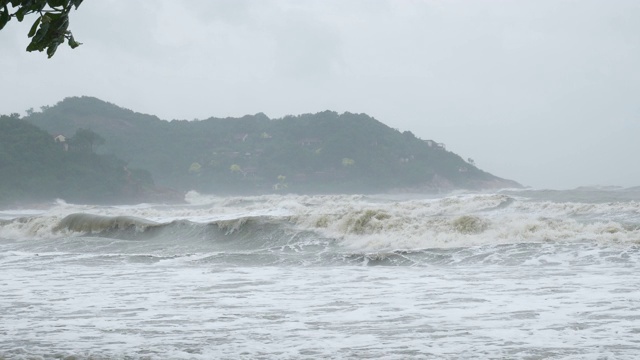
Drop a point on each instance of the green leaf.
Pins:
(56, 3)
(73, 43)
(42, 32)
(62, 24)
(33, 46)
(4, 17)
(76, 3)
(52, 50)
(34, 27)
(20, 14)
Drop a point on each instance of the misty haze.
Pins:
(319, 179)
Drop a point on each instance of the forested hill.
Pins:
(311, 153)
(35, 167)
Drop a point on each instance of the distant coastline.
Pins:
(153, 160)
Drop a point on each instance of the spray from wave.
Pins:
(316, 229)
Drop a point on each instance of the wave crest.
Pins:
(88, 223)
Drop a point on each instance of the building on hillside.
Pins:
(61, 139)
(437, 145)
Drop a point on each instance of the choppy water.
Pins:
(526, 275)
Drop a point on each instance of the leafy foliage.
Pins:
(51, 27)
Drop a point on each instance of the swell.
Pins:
(249, 234)
(92, 224)
(359, 224)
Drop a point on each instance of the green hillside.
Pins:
(311, 153)
(34, 167)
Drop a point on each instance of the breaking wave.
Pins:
(319, 229)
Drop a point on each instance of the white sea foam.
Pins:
(500, 277)
(381, 223)
(12, 214)
(161, 311)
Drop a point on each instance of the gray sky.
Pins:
(543, 92)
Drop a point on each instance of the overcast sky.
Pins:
(543, 92)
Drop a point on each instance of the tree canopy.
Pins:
(51, 27)
(86, 139)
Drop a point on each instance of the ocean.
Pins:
(513, 274)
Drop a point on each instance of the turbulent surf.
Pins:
(161, 281)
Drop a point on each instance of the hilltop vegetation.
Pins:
(311, 153)
(34, 167)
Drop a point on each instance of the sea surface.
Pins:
(529, 274)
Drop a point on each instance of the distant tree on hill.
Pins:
(347, 162)
(195, 168)
(51, 27)
(86, 139)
